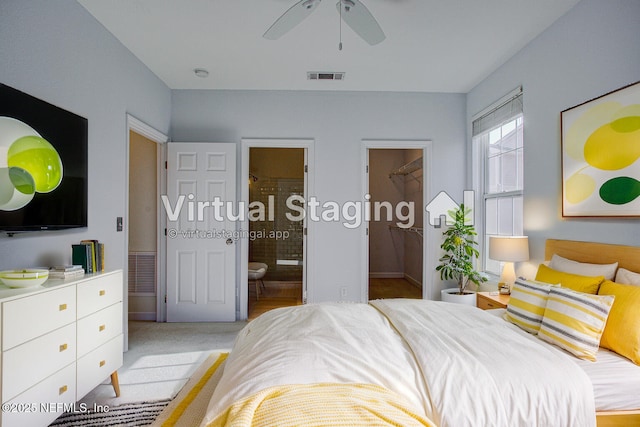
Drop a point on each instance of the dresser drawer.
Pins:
(27, 318)
(98, 328)
(99, 293)
(98, 365)
(27, 364)
(45, 401)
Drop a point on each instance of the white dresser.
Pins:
(59, 341)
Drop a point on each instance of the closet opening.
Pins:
(276, 243)
(396, 234)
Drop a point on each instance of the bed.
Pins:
(627, 257)
(417, 362)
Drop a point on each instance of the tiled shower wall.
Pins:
(269, 250)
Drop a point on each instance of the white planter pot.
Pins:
(450, 295)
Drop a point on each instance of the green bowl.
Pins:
(24, 278)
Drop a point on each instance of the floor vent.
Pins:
(318, 75)
(142, 273)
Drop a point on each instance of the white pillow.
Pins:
(627, 277)
(583, 268)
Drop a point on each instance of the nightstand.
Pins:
(490, 300)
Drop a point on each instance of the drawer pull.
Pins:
(62, 389)
(63, 347)
(102, 363)
(102, 292)
(62, 307)
(102, 328)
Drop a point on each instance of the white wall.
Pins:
(338, 121)
(58, 52)
(591, 50)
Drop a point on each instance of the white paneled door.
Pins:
(201, 240)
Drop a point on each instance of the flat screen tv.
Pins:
(43, 165)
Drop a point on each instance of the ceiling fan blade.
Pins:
(292, 17)
(358, 17)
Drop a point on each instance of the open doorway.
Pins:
(276, 243)
(137, 305)
(143, 227)
(396, 235)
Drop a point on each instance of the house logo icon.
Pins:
(438, 208)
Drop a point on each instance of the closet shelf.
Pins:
(408, 169)
(417, 230)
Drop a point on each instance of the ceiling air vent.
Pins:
(321, 75)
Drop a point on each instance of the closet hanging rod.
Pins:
(407, 169)
(418, 230)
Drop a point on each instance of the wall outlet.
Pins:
(343, 292)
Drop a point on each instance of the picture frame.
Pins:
(600, 146)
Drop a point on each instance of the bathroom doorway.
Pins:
(276, 242)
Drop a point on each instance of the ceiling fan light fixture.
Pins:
(348, 4)
(356, 15)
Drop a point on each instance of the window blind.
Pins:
(498, 115)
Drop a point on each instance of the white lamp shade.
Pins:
(509, 248)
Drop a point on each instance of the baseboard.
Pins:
(413, 281)
(386, 275)
(142, 315)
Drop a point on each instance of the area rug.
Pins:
(129, 415)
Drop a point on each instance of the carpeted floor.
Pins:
(161, 358)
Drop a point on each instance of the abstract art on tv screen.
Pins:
(601, 155)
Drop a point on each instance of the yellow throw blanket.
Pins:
(322, 404)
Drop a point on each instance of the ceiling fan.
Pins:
(353, 12)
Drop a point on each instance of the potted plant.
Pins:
(459, 248)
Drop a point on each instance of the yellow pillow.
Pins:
(622, 332)
(584, 284)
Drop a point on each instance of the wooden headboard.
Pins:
(596, 253)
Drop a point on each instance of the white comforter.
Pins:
(479, 372)
(457, 365)
(325, 343)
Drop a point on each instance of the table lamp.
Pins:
(509, 249)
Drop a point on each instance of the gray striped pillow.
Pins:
(575, 321)
(527, 304)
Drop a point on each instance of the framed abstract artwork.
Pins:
(601, 155)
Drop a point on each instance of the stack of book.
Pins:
(89, 254)
(66, 272)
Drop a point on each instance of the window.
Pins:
(498, 151)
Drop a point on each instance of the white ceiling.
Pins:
(431, 45)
